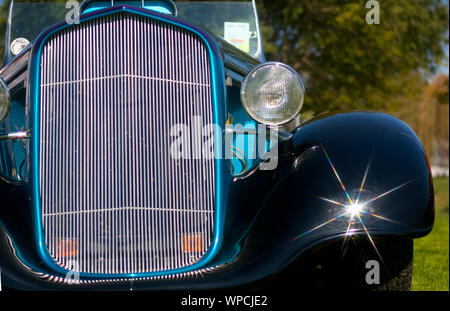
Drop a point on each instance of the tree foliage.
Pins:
(428, 115)
(349, 64)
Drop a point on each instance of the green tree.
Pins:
(429, 117)
(3, 21)
(349, 64)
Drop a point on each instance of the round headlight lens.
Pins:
(273, 93)
(4, 100)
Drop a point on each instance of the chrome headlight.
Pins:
(273, 93)
(4, 100)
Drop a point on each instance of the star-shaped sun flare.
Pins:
(354, 209)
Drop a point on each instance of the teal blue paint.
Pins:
(158, 6)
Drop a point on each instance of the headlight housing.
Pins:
(4, 100)
(273, 93)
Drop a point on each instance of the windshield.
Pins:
(236, 22)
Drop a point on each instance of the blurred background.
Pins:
(399, 66)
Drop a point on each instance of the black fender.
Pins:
(329, 164)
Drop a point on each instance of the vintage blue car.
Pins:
(150, 145)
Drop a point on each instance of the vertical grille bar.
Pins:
(113, 199)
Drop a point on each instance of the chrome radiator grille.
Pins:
(113, 200)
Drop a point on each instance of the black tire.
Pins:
(401, 282)
(400, 266)
(394, 258)
(337, 268)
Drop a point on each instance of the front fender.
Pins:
(371, 160)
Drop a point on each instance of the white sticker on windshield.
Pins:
(238, 34)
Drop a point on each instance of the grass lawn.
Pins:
(430, 271)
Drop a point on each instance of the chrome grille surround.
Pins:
(113, 201)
